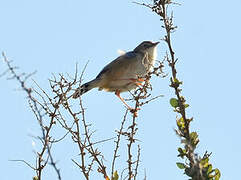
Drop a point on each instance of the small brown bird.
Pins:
(125, 72)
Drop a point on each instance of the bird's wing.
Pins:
(115, 69)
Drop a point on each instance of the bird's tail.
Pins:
(85, 87)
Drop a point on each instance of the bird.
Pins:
(125, 73)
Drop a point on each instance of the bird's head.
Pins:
(147, 47)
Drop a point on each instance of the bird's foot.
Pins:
(138, 81)
(141, 79)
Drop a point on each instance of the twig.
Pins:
(25, 162)
(198, 168)
(137, 161)
(119, 133)
(40, 163)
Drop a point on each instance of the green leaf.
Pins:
(35, 178)
(177, 81)
(115, 176)
(181, 123)
(217, 174)
(204, 162)
(194, 138)
(181, 165)
(188, 172)
(174, 102)
(186, 105)
(210, 167)
(180, 150)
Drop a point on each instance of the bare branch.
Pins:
(23, 161)
(119, 133)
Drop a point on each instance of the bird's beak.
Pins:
(155, 43)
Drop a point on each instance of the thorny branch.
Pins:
(141, 96)
(58, 108)
(41, 162)
(62, 89)
(119, 133)
(198, 168)
(51, 108)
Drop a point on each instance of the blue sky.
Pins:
(51, 36)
